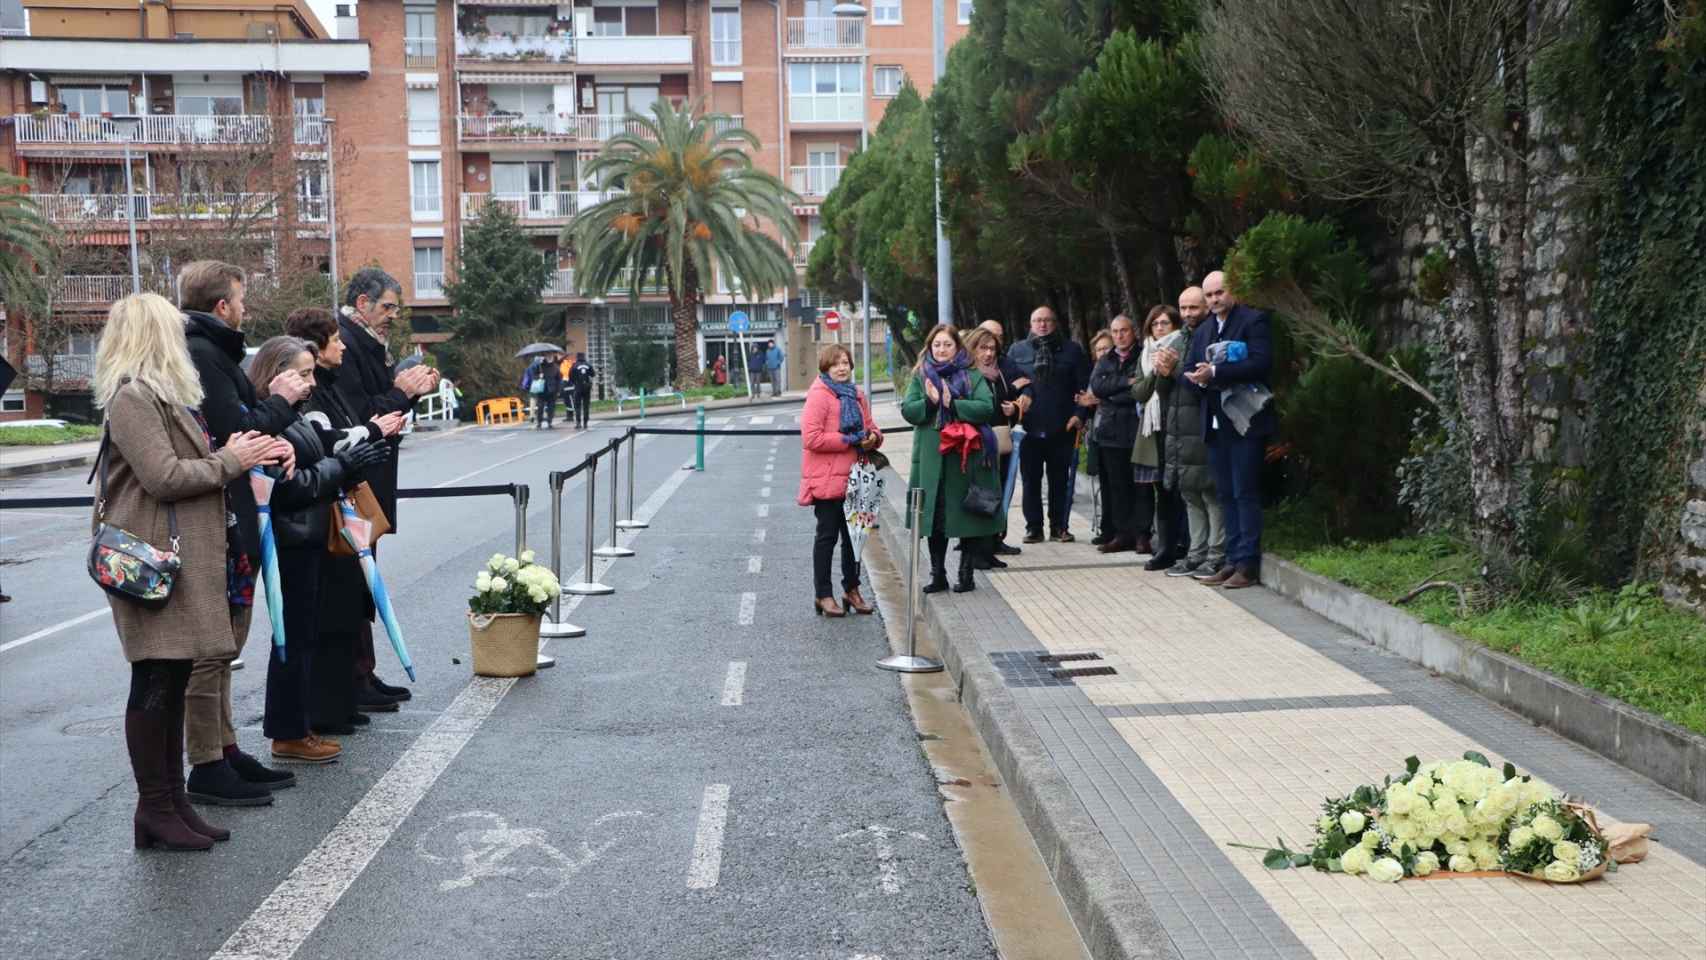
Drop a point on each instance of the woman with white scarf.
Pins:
(1156, 505)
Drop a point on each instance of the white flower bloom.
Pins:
(482, 580)
(527, 556)
(496, 563)
(1462, 863)
(1356, 860)
(499, 585)
(510, 565)
(1352, 821)
(1426, 863)
(1386, 870)
(1560, 872)
(1547, 827)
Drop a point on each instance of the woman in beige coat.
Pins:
(158, 454)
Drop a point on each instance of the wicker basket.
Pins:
(504, 644)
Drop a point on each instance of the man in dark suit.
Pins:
(370, 387)
(1236, 458)
(1058, 370)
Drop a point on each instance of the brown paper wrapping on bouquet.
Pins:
(1625, 843)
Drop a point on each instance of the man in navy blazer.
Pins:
(1235, 458)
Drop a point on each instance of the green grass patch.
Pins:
(47, 436)
(1625, 643)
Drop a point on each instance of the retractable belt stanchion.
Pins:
(555, 626)
(910, 661)
(519, 494)
(631, 523)
(614, 550)
(590, 587)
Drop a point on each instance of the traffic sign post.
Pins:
(832, 321)
(739, 323)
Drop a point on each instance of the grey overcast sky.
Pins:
(323, 9)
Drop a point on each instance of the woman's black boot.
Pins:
(968, 565)
(938, 565)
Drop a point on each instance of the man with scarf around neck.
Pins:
(1058, 370)
(211, 295)
(1116, 432)
(946, 388)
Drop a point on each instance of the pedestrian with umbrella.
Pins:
(837, 437)
(294, 522)
(541, 380)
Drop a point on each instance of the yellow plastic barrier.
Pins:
(499, 410)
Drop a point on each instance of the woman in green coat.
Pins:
(946, 388)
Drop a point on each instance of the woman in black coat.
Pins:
(345, 605)
(300, 510)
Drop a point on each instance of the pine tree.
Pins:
(499, 277)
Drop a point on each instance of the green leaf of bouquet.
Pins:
(1476, 757)
(1412, 764)
(1277, 860)
(1300, 859)
(1335, 866)
(1510, 771)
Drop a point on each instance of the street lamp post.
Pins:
(332, 208)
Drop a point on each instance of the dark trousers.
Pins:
(832, 526)
(545, 408)
(1237, 464)
(331, 698)
(290, 680)
(583, 407)
(1051, 454)
(1172, 533)
(1119, 493)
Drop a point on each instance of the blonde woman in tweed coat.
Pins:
(158, 454)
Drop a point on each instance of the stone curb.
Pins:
(1651, 746)
(1110, 913)
(43, 466)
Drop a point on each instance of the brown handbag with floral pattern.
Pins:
(124, 564)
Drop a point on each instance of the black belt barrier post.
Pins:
(554, 625)
(614, 550)
(590, 587)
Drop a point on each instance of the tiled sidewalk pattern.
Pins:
(1222, 727)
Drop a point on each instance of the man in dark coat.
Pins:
(581, 375)
(370, 388)
(1115, 433)
(1059, 370)
(1236, 458)
(545, 407)
(211, 296)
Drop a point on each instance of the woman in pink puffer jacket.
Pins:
(835, 428)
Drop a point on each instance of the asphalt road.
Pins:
(711, 772)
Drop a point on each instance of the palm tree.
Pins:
(692, 202)
(23, 230)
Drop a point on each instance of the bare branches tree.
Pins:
(1422, 105)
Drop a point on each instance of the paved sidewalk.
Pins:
(1231, 715)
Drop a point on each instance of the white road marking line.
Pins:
(761, 421)
(297, 906)
(494, 466)
(764, 492)
(290, 914)
(748, 607)
(764, 509)
(769, 477)
(31, 514)
(758, 535)
(62, 625)
(734, 685)
(754, 564)
(707, 863)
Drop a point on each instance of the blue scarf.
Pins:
(852, 424)
(950, 378)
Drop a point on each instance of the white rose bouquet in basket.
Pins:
(513, 585)
(510, 595)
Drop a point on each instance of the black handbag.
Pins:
(124, 564)
(981, 501)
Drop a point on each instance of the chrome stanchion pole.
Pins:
(910, 661)
(554, 625)
(614, 550)
(518, 494)
(590, 587)
(631, 523)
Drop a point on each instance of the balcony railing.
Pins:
(311, 209)
(803, 252)
(67, 367)
(85, 207)
(814, 181)
(88, 288)
(516, 49)
(557, 205)
(541, 127)
(615, 51)
(560, 284)
(420, 53)
(163, 128)
(310, 129)
(825, 33)
(429, 286)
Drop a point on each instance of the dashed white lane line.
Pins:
(707, 865)
(748, 607)
(734, 685)
(764, 493)
(758, 535)
(764, 509)
(290, 914)
(768, 477)
(754, 564)
(61, 625)
(762, 421)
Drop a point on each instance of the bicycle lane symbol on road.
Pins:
(487, 846)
